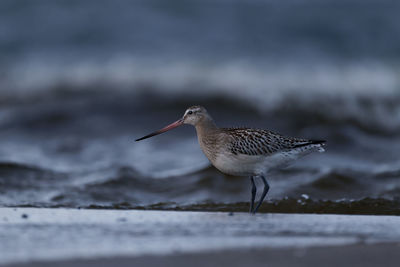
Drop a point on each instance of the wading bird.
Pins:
(243, 151)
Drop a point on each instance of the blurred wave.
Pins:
(125, 188)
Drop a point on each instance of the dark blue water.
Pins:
(80, 81)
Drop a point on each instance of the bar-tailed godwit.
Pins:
(244, 151)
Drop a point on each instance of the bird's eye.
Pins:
(190, 112)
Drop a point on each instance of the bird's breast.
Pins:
(209, 146)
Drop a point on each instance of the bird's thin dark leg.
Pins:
(253, 193)
(264, 193)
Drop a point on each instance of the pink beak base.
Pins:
(163, 130)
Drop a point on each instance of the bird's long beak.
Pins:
(163, 130)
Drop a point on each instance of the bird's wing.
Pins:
(262, 142)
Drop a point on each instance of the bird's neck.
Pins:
(207, 134)
(205, 127)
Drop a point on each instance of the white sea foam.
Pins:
(265, 84)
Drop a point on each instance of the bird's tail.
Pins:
(318, 144)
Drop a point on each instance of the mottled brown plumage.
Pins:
(262, 142)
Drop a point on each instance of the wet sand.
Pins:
(362, 255)
(32, 237)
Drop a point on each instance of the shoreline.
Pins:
(301, 205)
(61, 235)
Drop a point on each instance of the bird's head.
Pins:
(194, 115)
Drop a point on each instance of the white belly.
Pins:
(246, 165)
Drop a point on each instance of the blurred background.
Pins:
(81, 80)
